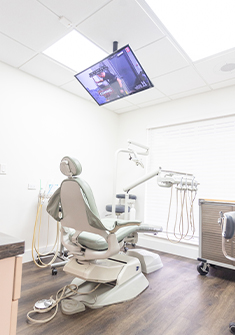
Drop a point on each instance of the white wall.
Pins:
(40, 124)
(134, 124)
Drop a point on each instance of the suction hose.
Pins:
(36, 248)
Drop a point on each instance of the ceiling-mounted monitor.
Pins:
(115, 77)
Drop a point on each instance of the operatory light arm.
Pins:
(145, 153)
(136, 183)
(142, 180)
(167, 180)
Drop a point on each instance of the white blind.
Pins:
(204, 149)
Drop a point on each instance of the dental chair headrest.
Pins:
(70, 166)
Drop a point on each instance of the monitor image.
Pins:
(115, 77)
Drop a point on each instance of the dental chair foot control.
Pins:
(70, 306)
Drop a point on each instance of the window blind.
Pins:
(202, 148)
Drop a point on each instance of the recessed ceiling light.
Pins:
(228, 67)
(75, 51)
(201, 27)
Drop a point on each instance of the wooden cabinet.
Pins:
(11, 250)
(210, 245)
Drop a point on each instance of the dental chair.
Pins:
(103, 274)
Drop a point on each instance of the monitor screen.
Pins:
(115, 77)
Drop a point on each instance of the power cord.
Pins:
(45, 306)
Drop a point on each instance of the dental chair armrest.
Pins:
(122, 223)
(112, 224)
(144, 228)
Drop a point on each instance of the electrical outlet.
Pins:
(3, 169)
(31, 186)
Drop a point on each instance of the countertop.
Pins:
(10, 246)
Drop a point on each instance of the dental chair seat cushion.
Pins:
(119, 209)
(97, 242)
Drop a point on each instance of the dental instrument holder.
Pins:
(182, 180)
(167, 181)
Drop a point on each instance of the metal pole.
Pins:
(115, 46)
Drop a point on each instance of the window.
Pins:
(204, 149)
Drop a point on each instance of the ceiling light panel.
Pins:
(75, 51)
(201, 27)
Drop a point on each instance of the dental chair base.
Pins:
(120, 277)
(149, 261)
(119, 268)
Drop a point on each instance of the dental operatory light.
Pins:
(201, 27)
(75, 51)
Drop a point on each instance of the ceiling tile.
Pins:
(126, 109)
(122, 21)
(76, 88)
(141, 97)
(160, 57)
(28, 27)
(74, 10)
(14, 53)
(30, 23)
(225, 83)
(210, 68)
(191, 92)
(119, 104)
(179, 81)
(46, 69)
(148, 103)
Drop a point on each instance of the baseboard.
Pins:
(148, 241)
(153, 242)
(27, 256)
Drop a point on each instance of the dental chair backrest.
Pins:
(79, 209)
(83, 233)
